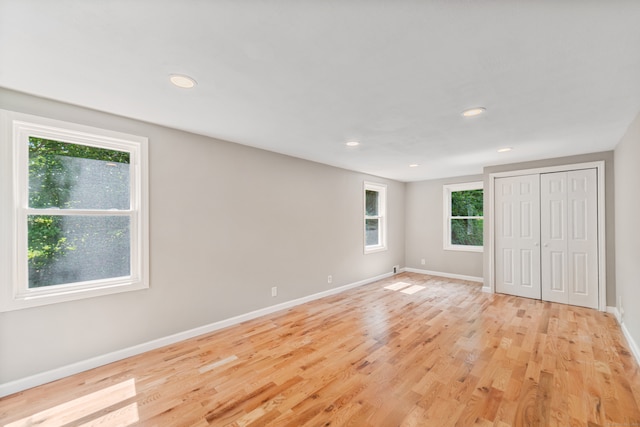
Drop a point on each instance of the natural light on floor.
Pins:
(86, 406)
(405, 288)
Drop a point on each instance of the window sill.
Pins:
(64, 293)
(461, 248)
(374, 249)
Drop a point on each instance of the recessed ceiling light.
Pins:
(352, 144)
(476, 111)
(182, 81)
(414, 165)
(504, 150)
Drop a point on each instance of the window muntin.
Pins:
(79, 217)
(374, 217)
(464, 217)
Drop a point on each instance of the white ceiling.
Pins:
(304, 77)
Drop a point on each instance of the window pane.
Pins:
(72, 176)
(466, 232)
(466, 203)
(371, 202)
(70, 249)
(372, 234)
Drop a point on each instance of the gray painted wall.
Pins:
(227, 222)
(424, 230)
(627, 157)
(609, 211)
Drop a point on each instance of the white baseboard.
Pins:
(487, 289)
(447, 275)
(84, 365)
(615, 312)
(632, 343)
(633, 346)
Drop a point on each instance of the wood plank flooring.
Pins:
(446, 355)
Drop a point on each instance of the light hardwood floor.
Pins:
(447, 355)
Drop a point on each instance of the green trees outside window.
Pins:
(467, 217)
(73, 232)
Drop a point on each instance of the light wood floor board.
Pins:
(447, 355)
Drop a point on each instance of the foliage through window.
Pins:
(80, 223)
(464, 216)
(67, 247)
(374, 217)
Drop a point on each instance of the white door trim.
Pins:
(602, 243)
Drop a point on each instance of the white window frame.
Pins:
(381, 189)
(16, 128)
(447, 189)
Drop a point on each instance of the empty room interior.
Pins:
(288, 213)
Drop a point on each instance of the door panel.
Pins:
(553, 234)
(556, 213)
(507, 258)
(580, 274)
(526, 225)
(582, 244)
(580, 219)
(569, 237)
(557, 274)
(526, 263)
(517, 208)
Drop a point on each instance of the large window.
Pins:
(375, 206)
(463, 214)
(79, 212)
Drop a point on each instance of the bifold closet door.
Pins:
(517, 211)
(569, 229)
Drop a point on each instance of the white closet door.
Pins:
(517, 253)
(553, 224)
(569, 232)
(582, 223)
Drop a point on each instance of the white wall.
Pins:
(627, 215)
(227, 222)
(424, 230)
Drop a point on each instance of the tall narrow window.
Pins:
(375, 206)
(464, 217)
(80, 213)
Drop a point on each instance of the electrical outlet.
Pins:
(329, 279)
(396, 269)
(274, 291)
(423, 261)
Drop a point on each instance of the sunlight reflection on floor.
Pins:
(92, 404)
